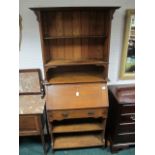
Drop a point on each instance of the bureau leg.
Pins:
(43, 141)
(42, 136)
(103, 132)
(46, 122)
(114, 149)
(107, 143)
(47, 127)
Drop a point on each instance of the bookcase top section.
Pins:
(74, 8)
(75, 43)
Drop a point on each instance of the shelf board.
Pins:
(72, 62)
(78, 127)
(69, 141)
(76, 77)
(73, 37)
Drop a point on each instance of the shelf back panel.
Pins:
(75, 36)
(90, 25)
(76, 49)
(74, 23)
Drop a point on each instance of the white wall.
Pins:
(30, 52)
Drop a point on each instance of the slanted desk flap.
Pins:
(77, 96)
(30, 82)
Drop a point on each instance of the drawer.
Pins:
(124, 138)
(125, 128)
(67, 114)
(127, 108)
(28, 125)
(77, 96)
(127, 118)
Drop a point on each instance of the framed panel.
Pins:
(128, 53)
(29, 125)
(20, 31)
(30, 82)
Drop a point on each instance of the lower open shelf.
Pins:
(76, 74)
(78, 125)
(77, 141)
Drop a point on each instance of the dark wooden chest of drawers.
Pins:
(121, 122)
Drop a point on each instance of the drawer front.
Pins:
(126, 138)
(28, 124)
(67, 114)
(126, 128)
(127, 118)
(127, 108)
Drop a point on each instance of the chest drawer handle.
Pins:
(91, 113)
(65, 114)
(132, 117)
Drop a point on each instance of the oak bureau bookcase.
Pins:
(75, 50)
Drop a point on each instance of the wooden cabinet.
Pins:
(75, 50)
(29, 124)
(121, 121)
(77, 111)
(75, 43)
(32, 114)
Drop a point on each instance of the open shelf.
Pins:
(78, 125)
(73, 36)
(81, 127)
(75, 141)
(76, 74)
(76, 77)
(73, 62)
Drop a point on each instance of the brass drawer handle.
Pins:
(65, 114)
(103, 88)
(91, 113)
(132, 117)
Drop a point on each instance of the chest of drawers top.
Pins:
(124, 94)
